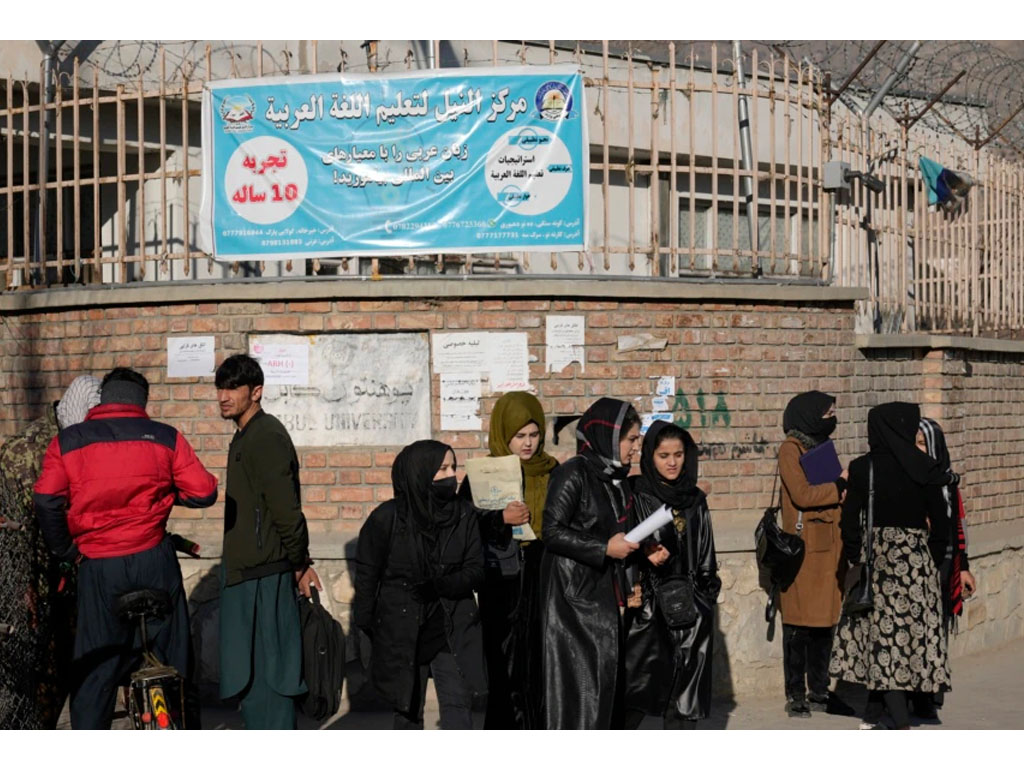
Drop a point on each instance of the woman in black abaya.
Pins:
(418, 562)
(582, 580)
(668, 670)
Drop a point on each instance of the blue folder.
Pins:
(821, 464)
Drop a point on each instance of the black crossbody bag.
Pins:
(675, 594)
(858, 598)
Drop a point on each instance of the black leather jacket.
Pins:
(581, 588)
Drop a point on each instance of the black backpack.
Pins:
(323, 658)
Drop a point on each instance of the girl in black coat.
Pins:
(668, 670)
(582, 580)
(418, 561)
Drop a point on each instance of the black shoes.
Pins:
(817, 703)
(797, 707)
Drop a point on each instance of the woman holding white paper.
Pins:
(810, 605)
(508, 600)
(582, 578)
(668, 668)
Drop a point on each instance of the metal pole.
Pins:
(49, 48)
(745, 151)
(891, 80)
(865, 115)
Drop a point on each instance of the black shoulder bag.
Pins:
(857, 597)
(675, 593)
(779, 554)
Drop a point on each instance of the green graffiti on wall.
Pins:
(710, 415)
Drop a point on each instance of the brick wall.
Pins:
(736, 364)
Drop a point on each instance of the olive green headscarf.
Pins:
(512, 412)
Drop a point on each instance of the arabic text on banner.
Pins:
(418, 162)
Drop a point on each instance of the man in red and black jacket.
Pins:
(103, 499)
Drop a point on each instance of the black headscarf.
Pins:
(598, 435)
(805, 414)
(412, 475)
(892, 430)
(680, 493)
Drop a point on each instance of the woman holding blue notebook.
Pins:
(813, 486)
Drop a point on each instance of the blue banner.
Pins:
(422, 162)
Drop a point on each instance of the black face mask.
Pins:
(444, 490)
(828, 427)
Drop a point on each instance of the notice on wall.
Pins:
(647, 419)
(659, 403)
(565, 342)
(503, 358)
(666, 386)
(189, 356)
(459, 352)
(460, 402)
(285, 362)
(363, 389)
(508, 362)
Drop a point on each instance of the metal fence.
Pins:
(120, 202)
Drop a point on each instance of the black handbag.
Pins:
(676, 601)
(779, 554)
(857, 597)
(675, 594)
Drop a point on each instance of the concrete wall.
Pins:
(738, 352)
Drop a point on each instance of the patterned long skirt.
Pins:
(899, 645)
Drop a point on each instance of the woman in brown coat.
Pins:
(810, 606)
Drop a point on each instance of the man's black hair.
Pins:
(239, 371)
(129, 375)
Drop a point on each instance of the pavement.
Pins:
(988, 693)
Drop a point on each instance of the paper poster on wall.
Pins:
(459, 352)
(659, 403)
(363, 389)
(282, 363)
(666, 386)
(503, 358)
(564, 340)
(189, 356)
(460, 402)
(647, 419)
(508, 362)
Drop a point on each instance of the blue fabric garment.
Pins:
(938, 191)
(266, 606)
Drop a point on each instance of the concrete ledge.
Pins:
(482, 287)
(928, 341)
(729, 539)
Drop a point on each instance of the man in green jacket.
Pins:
(266, 554)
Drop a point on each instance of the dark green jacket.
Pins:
(264, 528)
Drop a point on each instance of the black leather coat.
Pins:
(672, 667)
(580, 620)
(386, 609)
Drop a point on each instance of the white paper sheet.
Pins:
(647, 419)
(666, 386)
(661, 516)
(282, 363)
(495, 483)
(659, 403)
(508, 362)
(189, 356)
(460, 402)
(564, 341)
(459, 352)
